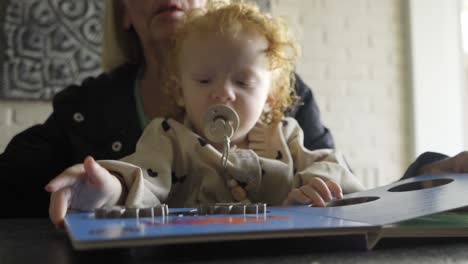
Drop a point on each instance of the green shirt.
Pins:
(144, 120)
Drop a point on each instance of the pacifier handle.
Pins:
(219, 124)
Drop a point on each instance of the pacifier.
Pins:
(220, 122)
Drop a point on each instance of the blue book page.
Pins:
(358, 213)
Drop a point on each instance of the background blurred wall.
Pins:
(354, 58)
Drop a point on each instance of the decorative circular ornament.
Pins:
(78, 117)
(117, 146)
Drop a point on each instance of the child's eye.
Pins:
(243, 83)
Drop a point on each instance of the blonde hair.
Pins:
(120, 46)
(222, 18)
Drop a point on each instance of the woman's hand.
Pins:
(455, 164)
(315, 191)
(83, 187)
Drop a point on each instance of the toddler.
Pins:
(231, 56)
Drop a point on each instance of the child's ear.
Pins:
(267, 116)
(270, 101)
(268, 105)
(173, 89)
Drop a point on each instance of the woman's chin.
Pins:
(163, 30)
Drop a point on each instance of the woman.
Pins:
(104, 116)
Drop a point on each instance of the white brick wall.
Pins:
(353, 57)
(15, 116)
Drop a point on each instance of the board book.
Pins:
(371, 215)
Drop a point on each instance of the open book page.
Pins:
(447, 224)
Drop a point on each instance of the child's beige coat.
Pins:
(173, 165)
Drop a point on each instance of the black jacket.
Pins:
(97, 118)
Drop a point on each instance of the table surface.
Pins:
(37, 241)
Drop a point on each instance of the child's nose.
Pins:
(224, 93)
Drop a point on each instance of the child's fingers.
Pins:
(313, 195)
(59, 202)
(304, 195)
(95, 172)
(335, 188)
(67, 178)
(321, 187)
(296, 196)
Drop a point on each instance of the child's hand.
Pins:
(316, 191)
(84, 187)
